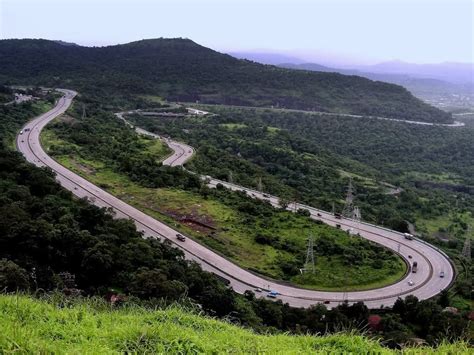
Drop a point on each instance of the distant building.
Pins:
(19, 98)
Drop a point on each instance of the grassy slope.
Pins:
(90, 326)
(235, 236)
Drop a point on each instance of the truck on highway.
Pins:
(414, 268)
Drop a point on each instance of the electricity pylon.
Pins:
(350, 210)
(230, 179)
(309, 265)
(259, 184)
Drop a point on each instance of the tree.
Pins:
(12, 276)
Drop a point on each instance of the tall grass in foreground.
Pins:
(59, 325)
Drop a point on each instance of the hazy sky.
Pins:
(422, 31)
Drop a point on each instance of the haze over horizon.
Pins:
(419, 31)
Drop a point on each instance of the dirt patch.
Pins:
(198, 222)
(67, 119)
(83, 168)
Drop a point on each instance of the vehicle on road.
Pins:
(338, 226)
(409, 256)
(441, 274)
(258, 290)
(265, 195)
(180, 237)
(414, 268)
(327, 302)
(272, 294)
(408, 236)
(318, 214)
(410, 282)
(21, 132)
(337, 215)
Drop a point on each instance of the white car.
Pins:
(410, 282)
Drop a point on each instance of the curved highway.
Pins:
(426, 282)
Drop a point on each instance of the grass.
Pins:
(447, 225)
(232, 126)
(233, 234)
(91, 326)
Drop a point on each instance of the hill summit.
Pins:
(182, 70)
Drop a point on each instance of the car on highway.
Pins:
(441, 274)
(272, 294)
(265, 195)
(409, 256)
(410, 282)
(258, 290)
(318, 214)
(180, 237)
(327, 302)
(21, 132)
(408, 236)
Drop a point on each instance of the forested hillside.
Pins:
(181, 70)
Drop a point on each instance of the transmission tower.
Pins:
(83, 111)
(466, 249)
(357, 215)
(309, 265)
(259, 184)
(230, 177)
(350, 210)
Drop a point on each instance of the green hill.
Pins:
(92, 326)
(181, 70)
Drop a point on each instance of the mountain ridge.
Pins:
(182, 70)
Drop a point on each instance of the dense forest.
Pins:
(50, 240)
(181, 70)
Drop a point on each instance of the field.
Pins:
(60, 325)
(273, 244)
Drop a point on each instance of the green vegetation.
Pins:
(311, 157)
(13, 116)
(61, 325)
(181, 70)
(249, 232)
(52, 241)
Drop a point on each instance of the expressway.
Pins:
(426, 282)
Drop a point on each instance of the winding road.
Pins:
(431, 261)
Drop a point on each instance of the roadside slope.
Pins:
(93, 326)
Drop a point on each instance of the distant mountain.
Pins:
(458, 73)
(267, 58)
(181, 70)
(419, 86)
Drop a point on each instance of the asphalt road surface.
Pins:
(431, 261)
